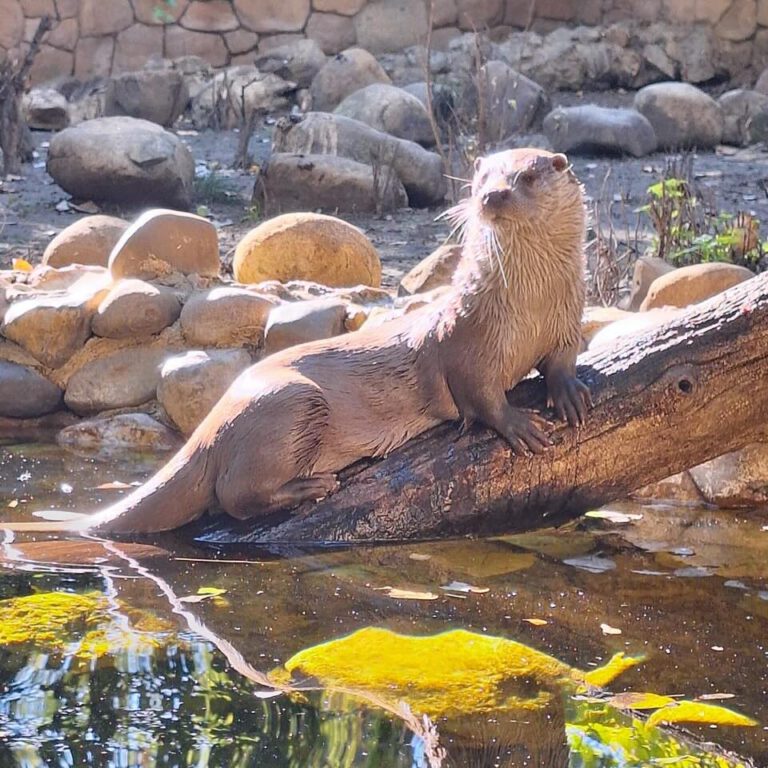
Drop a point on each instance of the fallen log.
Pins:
(666, 399)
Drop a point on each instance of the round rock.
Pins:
(136, 431)
(88, 241)
(25, 394)
(307, 246)
(432, 272)
(291, 324)
(122, 160)
(590, 129)
(342, 75)
(738, 479)
(681, 115)
(694, 283)
(50, 329)
(391, 110)
(298, 61)
(192, 383)
(746, 117)
(162, 241)
(307, 182)
(134, 309)
(126, 378)
(157, 95)
(225, 317)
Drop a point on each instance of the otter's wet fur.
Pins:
(289, 422)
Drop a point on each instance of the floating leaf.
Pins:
(204, 593)
(537, 622)
(635, 700)
(591, 563)
(116, 485)
(409, 594)
(461, 586)
(696, 712)
(618, 663)
(418, 556)
(715, 696)
(609, 630)
(21, 265)
(613, 516)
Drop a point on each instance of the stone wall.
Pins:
(103, 37)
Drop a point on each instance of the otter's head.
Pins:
(520, 186)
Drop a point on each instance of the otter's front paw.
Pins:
(570, 398)
(526, 431)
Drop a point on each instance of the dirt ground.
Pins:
(732, 180)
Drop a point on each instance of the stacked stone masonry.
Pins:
(106, 37)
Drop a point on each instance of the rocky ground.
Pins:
(33, 208)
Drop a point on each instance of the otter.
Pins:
(288, 423)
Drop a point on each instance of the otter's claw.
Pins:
(571, 399)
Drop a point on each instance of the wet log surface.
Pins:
(665, 400)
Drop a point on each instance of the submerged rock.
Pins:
(135, 431)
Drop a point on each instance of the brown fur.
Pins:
(289, 422)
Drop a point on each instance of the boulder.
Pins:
(51, 329)
(594, 319)
(239, 91)
(122, 379)
(590, 129)
(225, 317)
(738, 479)
(391, 110)
(419, 170)
(647, 269)
(192, 383)
(73, 278)
(298, 62)
(342, 75)
(157, 95)
(302, 321)
(512, 102)
(391, 25)
(633, 323)
(162, 241)
(134, 309)
(435, 270)
(293, 182)
(745, 115)
(45, 109)
(681, 115)
(678, 488)
(307, 246)
(761, 85)
(26, 394)
(122, 160)
(134, 431)
(88, 241)
(694, 283)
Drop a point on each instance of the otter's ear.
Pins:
(560, 162)
(478, 162)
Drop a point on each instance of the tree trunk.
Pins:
(665, 400)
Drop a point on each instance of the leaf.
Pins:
(419, 557)
(21, 265)
(13, 503)
(203, 593)
(591, 563)
(696, 712)
(407, 594)
(461, 586)
(715, 696)
(117, 485)
(636, 700)
(613, 516)
(537, 622)
(212, 591)
(609, 630)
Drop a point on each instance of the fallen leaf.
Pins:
(117, 485)
(418, 556)
(591, 563)
(407, 594)
(203, 593)
(613, 516)
(537, 622)
(87, 207)
(609, 630)
(13, 503)
(21, 265)
(461, 586)
(267, 694)
(715, 696)
(695, 712)
(635, 700)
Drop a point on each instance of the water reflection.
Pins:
(188, 686)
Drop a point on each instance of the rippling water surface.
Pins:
(173, 654)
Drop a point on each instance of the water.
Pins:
(172, 654)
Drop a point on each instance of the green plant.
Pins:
(690, 231)
(212, 188)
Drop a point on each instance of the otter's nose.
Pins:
(497, 197)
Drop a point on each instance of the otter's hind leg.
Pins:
(268, 461)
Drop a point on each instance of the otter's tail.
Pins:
(177, 494)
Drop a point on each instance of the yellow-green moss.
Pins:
(453, 673)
